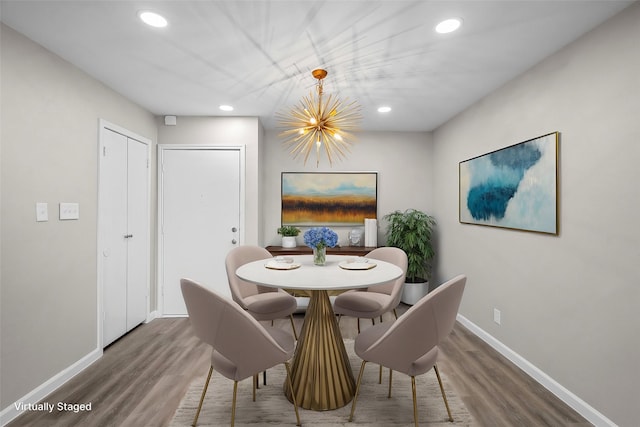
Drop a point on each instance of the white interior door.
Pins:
(138, 232)
(200, 218)
(113, 228)
(123, 217)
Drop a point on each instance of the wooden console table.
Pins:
(305, 250)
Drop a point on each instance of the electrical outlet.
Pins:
(497, 316)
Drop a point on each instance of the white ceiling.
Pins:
(258, 55)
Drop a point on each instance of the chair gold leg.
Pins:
(415, 403)
(233, 403)
(264, 377)
(255, 383)
(293, 326)
(395, 313)
(358, 325)
(293, 396)
(355, 396)
(204, 391)
(444, 396)
(380, 376)
(390, 377)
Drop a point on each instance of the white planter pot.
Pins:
(412, 292)
(289, 242)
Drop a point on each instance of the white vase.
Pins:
(289, 242)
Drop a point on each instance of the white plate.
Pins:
(275, 265)
(347, 265)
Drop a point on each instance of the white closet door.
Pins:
(123, 219)
(200, 211)
(113, 224)
(138, 230)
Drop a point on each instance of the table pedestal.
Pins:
(321, 372)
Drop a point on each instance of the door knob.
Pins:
(234, 229)
(128, 236)
(234, 241)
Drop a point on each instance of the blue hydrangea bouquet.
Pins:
(319, 239)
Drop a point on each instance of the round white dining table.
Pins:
(321, 373)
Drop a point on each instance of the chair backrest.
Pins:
(229, 329)
(397, 257)
(238, 256)
(422, 327)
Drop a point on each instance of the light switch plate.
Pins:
(69, 211)
(42, 212)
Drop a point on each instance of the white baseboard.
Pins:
(580, 406)
(153, 315)
(42, 391)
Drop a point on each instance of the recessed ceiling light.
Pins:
(153, 19)
(226, 108)
(384, 109)
(448, 25)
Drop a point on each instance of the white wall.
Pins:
(402, 160)
(50, 114)
(569, 303)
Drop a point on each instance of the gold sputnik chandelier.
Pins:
(323, 124)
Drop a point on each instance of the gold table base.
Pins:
(321, 372)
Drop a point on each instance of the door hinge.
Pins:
(104, 151)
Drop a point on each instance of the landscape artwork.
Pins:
(514, 187)
(331, 199)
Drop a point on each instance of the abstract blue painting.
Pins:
(514, 187)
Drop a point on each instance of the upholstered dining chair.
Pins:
(410, 344)
(375, 301)
(241, 346)
(261, 302)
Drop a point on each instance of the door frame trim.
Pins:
(162, 148)
(104, 126)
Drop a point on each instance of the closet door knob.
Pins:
(234, 241)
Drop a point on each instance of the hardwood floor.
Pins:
(142, 377)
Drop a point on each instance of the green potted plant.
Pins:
(288, 233)
(411, 231)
